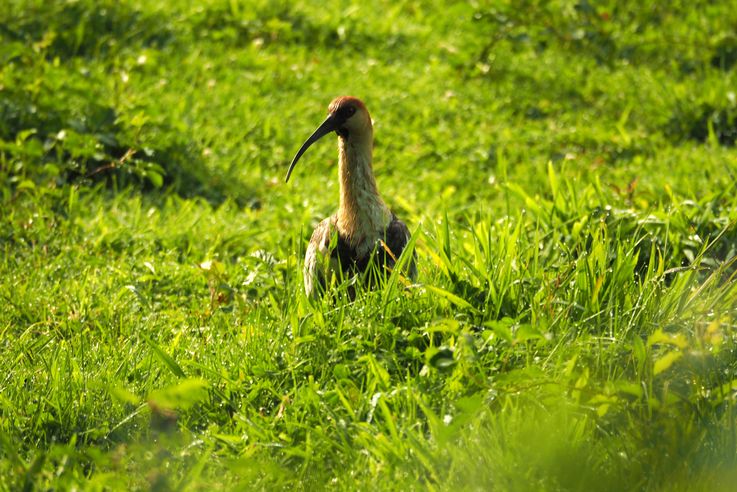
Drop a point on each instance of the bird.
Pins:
(367, 231)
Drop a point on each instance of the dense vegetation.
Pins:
(568, 169)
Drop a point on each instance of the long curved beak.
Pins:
(329, 125)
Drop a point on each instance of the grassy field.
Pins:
(568, 170)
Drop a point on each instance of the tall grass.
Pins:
(567, 170)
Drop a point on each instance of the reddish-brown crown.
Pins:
(342, 101)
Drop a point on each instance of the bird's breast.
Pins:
(361, 228)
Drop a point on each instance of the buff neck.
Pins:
(363, 215)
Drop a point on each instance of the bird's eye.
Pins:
(350, 110)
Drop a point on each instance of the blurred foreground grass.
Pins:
(569, 170)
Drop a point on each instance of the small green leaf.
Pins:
(123, 395)
(666, 361)
(660, 337)
(502, 329)
(628, 388)
(340, 371)
(527, 332)
(165, 358)
(182, 395)
(155, 178)
(452, 298)
(51, 169)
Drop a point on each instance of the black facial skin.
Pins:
(343, 113)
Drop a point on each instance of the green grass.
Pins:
(568, 170)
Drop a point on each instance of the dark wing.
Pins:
(396, 238)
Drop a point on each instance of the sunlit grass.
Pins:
(568, 171)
